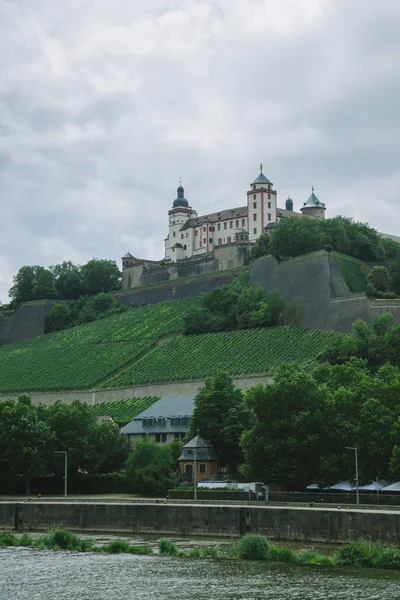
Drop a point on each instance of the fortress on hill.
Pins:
(215, 241)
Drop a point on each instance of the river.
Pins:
(30, 574)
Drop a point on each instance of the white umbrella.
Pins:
(374, 486)
(343, 486)
(395, 487)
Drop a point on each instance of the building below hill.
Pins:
(166, 420)
(216, 241)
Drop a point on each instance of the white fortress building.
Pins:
(190, 235)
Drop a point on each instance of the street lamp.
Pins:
(65, 469)
(356, 461)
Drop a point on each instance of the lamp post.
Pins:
(356, 462)
(65, 469)
(195, 472)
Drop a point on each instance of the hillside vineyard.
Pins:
(136, 347)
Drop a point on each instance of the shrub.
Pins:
(25, 540)
(60, 539)
(313, 558)
(8, 539)
(209, 552)
(116, 547)
(167, 548)
(194, 553)
(253, 547)
(379, 278)
(359, 553)
(386, 557)
(281, 554)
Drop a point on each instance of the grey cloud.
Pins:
(104, 106)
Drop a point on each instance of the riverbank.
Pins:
(359, 553)
(287, 523)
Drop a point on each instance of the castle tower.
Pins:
(313, 207)
(289, 204)
(261, 204)
(175, 243)
(128, 260)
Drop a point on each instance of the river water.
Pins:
(30, 574)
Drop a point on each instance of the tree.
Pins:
(109, 449)
(149, 468)
(221, 417)
(261, 247)
(379, 278)
(26, 441)
(24, 285)
(59, 317)
(100, 275)
(44, 285)
(288, 434)
(68, 280)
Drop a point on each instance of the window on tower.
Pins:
(255, 217)
(173, 233)
(237, 222)
(243, 222)
(219, 226)
(230, 224)
(204, 241)
(269, 196)
(269, 204)
(255, 231)
(225, 225)
(210, 240)
(269, 216)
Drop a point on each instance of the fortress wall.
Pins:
(139, 391)
(27, 322)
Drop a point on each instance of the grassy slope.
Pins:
(353, 271)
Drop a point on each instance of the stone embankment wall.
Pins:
(285, 523)
(26, 322)
(160, 389)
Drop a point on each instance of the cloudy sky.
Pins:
(105, 104)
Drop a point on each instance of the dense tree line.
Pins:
(235, 306)
(65, 281)
(29, 436)
(84, 310)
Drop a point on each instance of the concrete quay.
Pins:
(289, 523)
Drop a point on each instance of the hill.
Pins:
(144, 344)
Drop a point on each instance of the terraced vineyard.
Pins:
(238, 353)
(83, 357)
(123, 411)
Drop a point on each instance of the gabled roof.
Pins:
(282, 213)
(128, 255)
(198, 448)
(223, 215)
(175, 405)
(198, 442)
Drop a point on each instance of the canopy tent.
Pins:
(374, 486)
(395, 487)
(343, 486)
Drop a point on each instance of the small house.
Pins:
(198, 456)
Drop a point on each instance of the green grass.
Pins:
(246, 352)
(353, 271)
(144, 345)
(82, 357)
(123, 411)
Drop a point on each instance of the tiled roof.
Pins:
(281, 213)
(261, 179)
(128, 255)
(223, 215)
(175, 405)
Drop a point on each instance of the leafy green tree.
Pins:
(59, 317)
(24, 285)
(261, 246)
(68, 280)
(379, 278)
(294, 236)
(288, 433)
(221, 416)
(100, 275)
(44, 285)
(109, 449)
(26, 441)
(149, 468)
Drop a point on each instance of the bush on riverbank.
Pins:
(253, 547)
(60, 539)
(365, 553)
(122, 546)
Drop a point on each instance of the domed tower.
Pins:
(289, 204)
(176, 243)
(261, 205)
(313, 207)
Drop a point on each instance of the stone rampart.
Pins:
(26, 322)
(140, 391)
(307, 524)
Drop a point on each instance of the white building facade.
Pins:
(190, 235)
